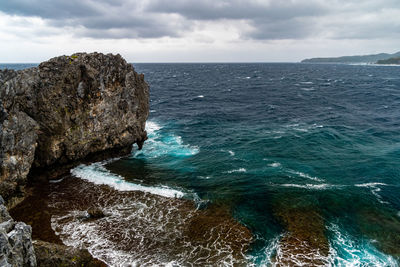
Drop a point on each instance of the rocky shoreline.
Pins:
(69, 109)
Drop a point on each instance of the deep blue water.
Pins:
(17, 66)
(267, 138)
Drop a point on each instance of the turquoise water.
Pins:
(263, 137)
(314, 148)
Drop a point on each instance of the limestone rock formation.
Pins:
(66, 109)
(16, 247)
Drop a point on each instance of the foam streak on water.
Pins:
(145, 229)
(345, 251)
(374, 190)
(98, 174)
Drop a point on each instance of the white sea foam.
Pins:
(374, 190)
(231, 153)
(138, 229)
(274, 164)
(302, 127)
(200, 96)
(98, 174)
(151, 127)
(344, 251)
(237, 170)
(162, 143)
(370, 184)
(267, 254)
(305, 175)
(311, 186)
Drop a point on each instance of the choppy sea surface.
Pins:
(282, 164)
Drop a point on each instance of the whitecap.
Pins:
(274, 165)
(200, 96)
(96, 173)
(162, 143)
(311, 186)
(231, 153)
(237, 170)
(374, 186)
(305, 175)
(151, 127)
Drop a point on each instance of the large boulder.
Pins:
(66, 109)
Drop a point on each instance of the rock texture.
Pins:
(51, 255)
(64, 110)
(16, 247)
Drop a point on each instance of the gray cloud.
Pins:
(49, 9)
(98, 19)
(238, 9)
(268, 19)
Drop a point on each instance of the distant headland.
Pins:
(375, 58)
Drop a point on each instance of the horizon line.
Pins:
(180, 62)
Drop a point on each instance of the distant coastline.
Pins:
(389, 61)
(375, 58)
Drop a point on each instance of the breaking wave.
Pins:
(163, 143)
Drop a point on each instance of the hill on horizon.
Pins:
(352, 59)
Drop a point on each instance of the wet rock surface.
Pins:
(50, 255)
(16, 247)
(95, 212)
(64, 110)
(305, 242)
(140, 227)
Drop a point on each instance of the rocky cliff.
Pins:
(64, 110)
(16, 247)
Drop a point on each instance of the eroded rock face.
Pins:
(16, 247)
(66, 109)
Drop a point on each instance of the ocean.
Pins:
(249, 164)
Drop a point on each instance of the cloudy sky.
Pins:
(198, 30)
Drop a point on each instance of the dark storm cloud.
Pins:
(98, 19)
(270, 19)
(264, 20)
(238, 9)
(49, 9)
